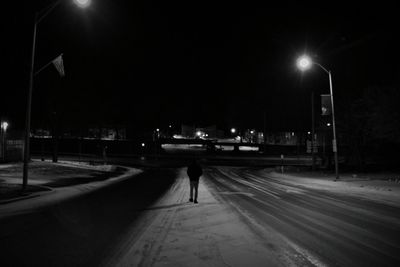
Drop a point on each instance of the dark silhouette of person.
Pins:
(194, 172)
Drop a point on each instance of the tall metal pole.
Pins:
(3, 150)
(264, 134)
(334, 143)
(28, 111)
(312, 131)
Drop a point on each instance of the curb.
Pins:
(46, 189)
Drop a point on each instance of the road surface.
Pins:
(325, 228)
(245, 217)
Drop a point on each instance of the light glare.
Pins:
(82, 3)
(304, 63)
(4, 125)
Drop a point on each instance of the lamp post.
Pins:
(304, 63)
(4, 126)
(237, 132)
(39, 16)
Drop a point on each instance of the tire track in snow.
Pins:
(317, 218)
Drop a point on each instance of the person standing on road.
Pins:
(194, 172)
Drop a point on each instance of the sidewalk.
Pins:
(52, 182)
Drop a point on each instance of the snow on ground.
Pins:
(187, 147)
(377, 187)
(43, 198)
(84, 165)
(210, 233)
(182, 146)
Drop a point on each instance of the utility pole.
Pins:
(312, 131)
(264, 133)
(334, 141)
(28, 110)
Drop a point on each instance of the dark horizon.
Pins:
(149, 65)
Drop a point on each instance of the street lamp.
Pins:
(82, 3)
(304, 63)
(4, 126)
(39, 16)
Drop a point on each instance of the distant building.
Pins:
(12, 147)
(211, 132)
(107, 132)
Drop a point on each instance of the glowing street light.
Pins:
(304, 63)
(82, 3)
(39, 16)
(233, 130)
(4, 125)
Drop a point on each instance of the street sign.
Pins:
(326, 105)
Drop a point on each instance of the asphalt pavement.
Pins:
(246, 216)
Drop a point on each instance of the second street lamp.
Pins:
(304, 63)
(4, 126)
(39, 16)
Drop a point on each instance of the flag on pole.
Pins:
(58, 63)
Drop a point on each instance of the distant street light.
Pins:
(233, 130)
(4, 126)
(39, 16)
(304, 63)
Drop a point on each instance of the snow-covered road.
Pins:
(245, 217)
(250, 217)
(325, 225)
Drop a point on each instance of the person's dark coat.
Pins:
(194, 171)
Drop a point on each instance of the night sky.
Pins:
(151, 64)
